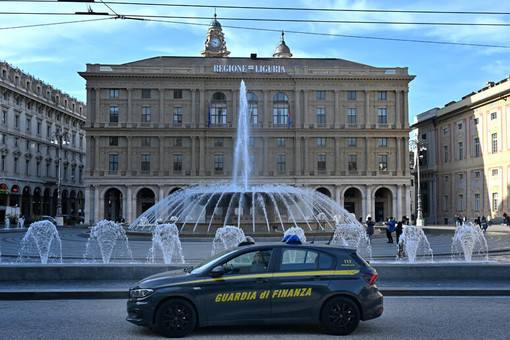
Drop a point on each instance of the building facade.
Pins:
(157, 125)
(466, 167)
(33, 113)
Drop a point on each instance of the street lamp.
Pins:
(419, 146)
(59, 138)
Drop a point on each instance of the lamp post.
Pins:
(419, 146)
(59, 138)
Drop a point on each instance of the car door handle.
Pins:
(261, 280)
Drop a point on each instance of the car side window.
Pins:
(305, 259)
(251, 262)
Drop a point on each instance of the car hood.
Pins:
(168, 278)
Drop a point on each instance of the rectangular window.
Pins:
(114, 162)
(38, 169)
(477, 147)
(383, 162)
(177, 141)
(146, 93)
(495, 201)
(177, 162)
(177, 94)
(145, 162)
(218, 162)
(321, 141)
(351, 116)
(460, 126)
(351, 95)
(146, 114)
(16, 121)
(477, 202)
(281, 163)
(114, 93)
(494, 143)
(381, 95)
(445, 131)
(29, 125)
(476, 121)
(382, 116)
(445, 153)
(321, 115)
(114, 114)
(39, 128)
(383, 141)
(27, 167)
(146, 141)
(495, 172)
(461, 150)
(280, 142)
(218, 141)
(177, 115)
(321, 95)
(353, 162)
(494, 115)
(321, 162)
(4, 117)
(352, 141)
(114, 141)
(219, 113)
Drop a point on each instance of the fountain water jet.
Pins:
(42, 233)
(469, 239)
(254, 208)
(296, 231)
(165, 237)
(227, 237)
(352, 235)
(413, 242)
(105, 234)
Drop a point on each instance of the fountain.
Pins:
(413, 242)
(227, 237)
(295, 231)
(42, 234)
(204, 208)
(105, 235)
(469, 239)
(165, 237)
(352, 235)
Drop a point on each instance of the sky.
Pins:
(449, 61)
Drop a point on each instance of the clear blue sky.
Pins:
(444, 72)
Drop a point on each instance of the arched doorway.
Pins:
(352, 202)
(26, 200)
(113, 205)
(46, 202)
(145, 199)
(382, 202)
(324, 191)
(37, 202)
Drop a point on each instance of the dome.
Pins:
(215, 23)
(282, 50)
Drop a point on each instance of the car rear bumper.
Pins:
(372, 305)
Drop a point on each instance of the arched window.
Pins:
(218, 113)
(281, 109)
(253, 107)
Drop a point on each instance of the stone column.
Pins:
(369, 204)
(193, 107)
(202, 155)
(336, 110)
(235, 109)
(97, 200)
(202, 111)
(129, 159)
(161, 157)
(161, 106)
(193, 156)
(305, 109)
(265, 156)
(130, 106)
(367, 119)
(305, 155)
(130, 214)
(267, 119)
(337, 155)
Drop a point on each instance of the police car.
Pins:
(280, 283)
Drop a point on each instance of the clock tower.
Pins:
(215, 45)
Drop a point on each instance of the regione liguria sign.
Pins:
(249, 68)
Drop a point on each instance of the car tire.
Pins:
(340, 316)
(176, 318)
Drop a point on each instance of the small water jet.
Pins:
(468, 240)
(42, 234)
(105, 235)
(413, 242)
(352, 235)
(227, 237)
(165, 238)
(296, 231)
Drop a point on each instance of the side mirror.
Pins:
(218, 271)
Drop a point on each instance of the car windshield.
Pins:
(202, 266)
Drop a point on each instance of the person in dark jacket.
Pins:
(390, 227)
(399, 229)
(370, 228)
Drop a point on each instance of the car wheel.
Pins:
(340, 316)
(176, 318)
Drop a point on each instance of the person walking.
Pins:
(390, 227)
(484, 223)
(399, 229)
(370, 228)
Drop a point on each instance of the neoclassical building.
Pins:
(466, 167)
(160, 124)
(31, 113)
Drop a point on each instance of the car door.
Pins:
(243, 292)
(301, 279)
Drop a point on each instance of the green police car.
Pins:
(280, 283)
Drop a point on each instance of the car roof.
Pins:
(315, 246)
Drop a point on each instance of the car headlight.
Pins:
(140, 293)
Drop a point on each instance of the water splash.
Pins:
(165, 238)
(105, 234)
(469, 240)
(296, 231)
(242, 165)
(227, 237)
(354, 236)
(42, 234)
(413, 242)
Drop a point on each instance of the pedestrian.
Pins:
(489, 220)
(399, 229)
(21, 221)
(390, 227)
(484, 223)
(507, 219)
(370, 228)
(479, 222)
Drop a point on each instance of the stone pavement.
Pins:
(74, 240)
